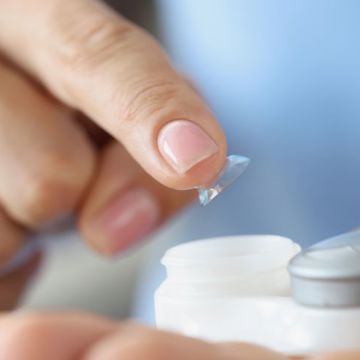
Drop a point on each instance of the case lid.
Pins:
(328, 273)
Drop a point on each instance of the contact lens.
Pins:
(234, 167)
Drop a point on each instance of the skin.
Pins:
(84, 94)
(73, 138)
(67, 336)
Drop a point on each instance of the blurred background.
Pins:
(283, 78)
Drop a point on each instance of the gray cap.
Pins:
(328, 274)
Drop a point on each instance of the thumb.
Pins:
(105, 66)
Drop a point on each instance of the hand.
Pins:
(70, 336)
(66, 66)
(346, 355)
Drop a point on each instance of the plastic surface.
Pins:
(271, 321)
(328, 274)
(234, 167)
(238, 289)
(229, 265)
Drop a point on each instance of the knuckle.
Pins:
(50, 193)
(146, 98)
(86, 36)
(39, 197)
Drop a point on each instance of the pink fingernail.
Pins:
(127, 220)
(184, 144)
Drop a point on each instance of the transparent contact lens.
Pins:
(234, 167)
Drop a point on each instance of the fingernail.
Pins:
(126, 220)
(184, 144)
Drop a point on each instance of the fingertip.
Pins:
(120, 208)
(126, 219)
(193, 153)
(184, 144)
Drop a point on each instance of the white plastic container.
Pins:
(238, 289)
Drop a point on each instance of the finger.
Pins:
(125, 204)
(13, 281)
(14, 284)
(46, 159)
(99, 63)
(238, 351)
(11, 239)
(56, 336)
(64, 336)
(346, 355)
(140, 343)
(97, 135)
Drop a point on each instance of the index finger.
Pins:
(100, 63)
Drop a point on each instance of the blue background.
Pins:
(283, 78)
